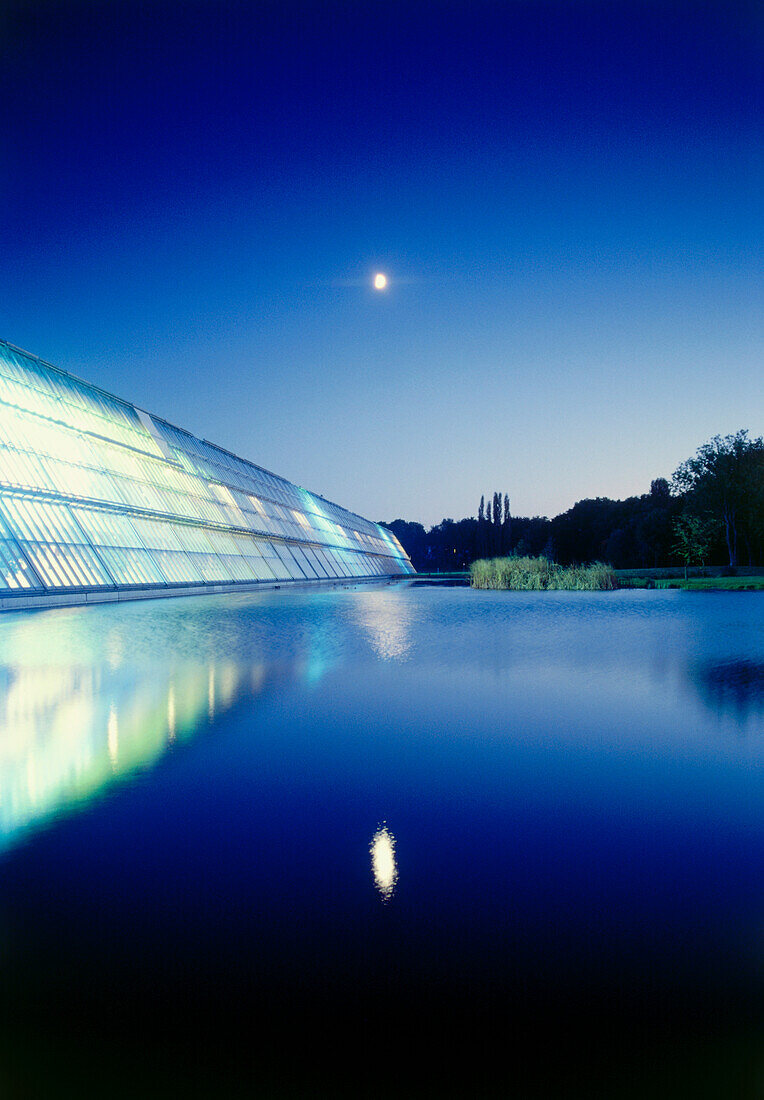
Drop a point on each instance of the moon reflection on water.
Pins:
(383, 863)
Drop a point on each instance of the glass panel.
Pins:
(293, 569)
(303, 562)
(15, 572)
(318, 566)
(82, 447)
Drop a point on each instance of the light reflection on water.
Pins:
(387, 617)
(65, 733)
(574, 780)
(89, 696)
(383, 863)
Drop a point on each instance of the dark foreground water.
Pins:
(401, 841)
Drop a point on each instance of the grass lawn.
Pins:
(698, 584)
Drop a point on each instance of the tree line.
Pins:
(711, 513)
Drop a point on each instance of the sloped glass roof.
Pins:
(97, 494)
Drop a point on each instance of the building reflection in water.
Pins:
(68, 730)
(211, 693)
(383, 864)
(385, 615)
(113, 737)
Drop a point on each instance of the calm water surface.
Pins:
(393, 841)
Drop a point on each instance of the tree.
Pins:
(481, 546)
(726, 480)
(692, 538)
(507, 527)
(496, 524)
(722, 486)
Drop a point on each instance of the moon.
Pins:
(380, 281)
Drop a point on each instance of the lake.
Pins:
(390, 840)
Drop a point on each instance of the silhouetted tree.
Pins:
(725, 479)
(507, 527)
(496, 524)
(481, 548)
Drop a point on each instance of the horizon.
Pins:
(565, 201)
(384, 522)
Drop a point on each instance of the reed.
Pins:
(539, 574)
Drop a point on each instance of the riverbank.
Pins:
(697, 584)
(539, 574)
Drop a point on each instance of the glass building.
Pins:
(99, 500)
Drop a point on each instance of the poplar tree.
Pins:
(507, 526)
(480, 548)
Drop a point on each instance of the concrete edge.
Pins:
(79, 599)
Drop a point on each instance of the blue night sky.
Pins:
(566, 197)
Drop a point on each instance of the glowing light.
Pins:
(85, 448)
(211, 694)
(114, 650)
(387, 619)
(383, 863)
(113, 737)
(380, 281)
(171, 713)
(67, 731)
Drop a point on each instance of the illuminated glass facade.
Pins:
(99, 497)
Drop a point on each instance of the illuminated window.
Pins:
(94, 493)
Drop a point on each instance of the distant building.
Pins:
(99, 500)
